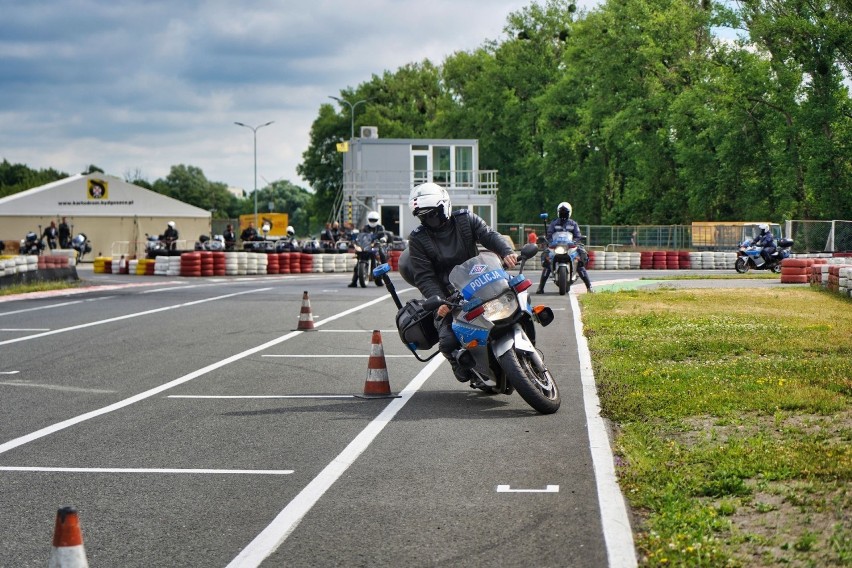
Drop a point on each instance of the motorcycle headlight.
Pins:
(560, 250)
(500, 307)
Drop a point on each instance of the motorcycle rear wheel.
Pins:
(741, 265)
(536, 386)
(777, 268)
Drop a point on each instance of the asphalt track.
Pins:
(192, 425)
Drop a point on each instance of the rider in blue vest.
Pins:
(564, 222)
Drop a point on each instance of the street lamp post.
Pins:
(254, 131)
(352, 112)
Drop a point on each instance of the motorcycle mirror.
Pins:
(528, 251)
(433, 303)
(381, 270)
(544, 216)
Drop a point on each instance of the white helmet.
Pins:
(566, 206)
(427, 197)
(373, 218)
(764, 228)
(290, 231)
(171, 224)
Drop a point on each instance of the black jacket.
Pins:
(434, 254)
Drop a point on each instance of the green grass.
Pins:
(733, 425)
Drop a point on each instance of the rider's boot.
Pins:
(587, 282)
(542, 282)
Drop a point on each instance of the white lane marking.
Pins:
(24, 329)
(9, 372)
(148, 470)
(508, 489)
(331, 356)
(53, 387)
(129, 316)
(618, 535)
(262, 396)
(12, 444)
(42, 308)
(286, 521)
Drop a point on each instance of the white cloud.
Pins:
(147, 85)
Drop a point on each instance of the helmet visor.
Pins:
(432, 217)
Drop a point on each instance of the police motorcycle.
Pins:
(31, 244)
(749, 257)
(494, 322)
(81, 244)
(204, 242)
(154, 245)
(369, 248)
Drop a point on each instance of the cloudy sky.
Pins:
(139, 86)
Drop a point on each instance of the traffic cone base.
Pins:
(68, 551)
(306, 317)
(377, 384)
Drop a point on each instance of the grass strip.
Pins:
(732, 422)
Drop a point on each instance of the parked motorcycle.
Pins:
(493, 320)
(204, 242)
(562, 256)
(31, 244)
(154, 245)
(749, 257)
(369, 248)
(81, 244)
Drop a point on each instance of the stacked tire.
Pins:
(190, 264)
(796, 270)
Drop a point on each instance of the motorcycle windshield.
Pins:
(363, 240)
(482, 276)
(562, 238)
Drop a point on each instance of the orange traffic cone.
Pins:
(306, 318)
(377, 385)
(68, 551)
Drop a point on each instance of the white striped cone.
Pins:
(377, 384)
(306, 318)
(68, 551)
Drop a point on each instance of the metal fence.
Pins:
(809, 236)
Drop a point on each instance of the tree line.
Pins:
(637, 112)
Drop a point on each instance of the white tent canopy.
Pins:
(107, 208)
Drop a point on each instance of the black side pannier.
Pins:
(785, 243)
(416, 326)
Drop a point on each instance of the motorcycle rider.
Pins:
(170, 236)
(377, 230)
(444, 239)
(564, 222)
(766, 241)
(51, 233)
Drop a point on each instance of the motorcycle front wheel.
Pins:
(363, 268)
(562, 279)
(535, 385)
(741, 265)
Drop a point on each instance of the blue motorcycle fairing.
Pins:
(466, 334)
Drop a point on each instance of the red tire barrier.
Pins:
(794, 278)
